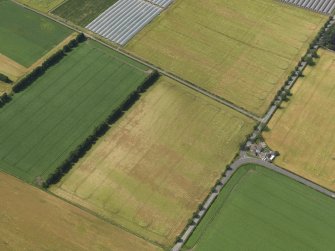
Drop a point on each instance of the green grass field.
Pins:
(45, 122)
(240, 50)
(306, 143)
(82, 12)
(259, 209)
(42, 5)
(153, 168)
(26, 36)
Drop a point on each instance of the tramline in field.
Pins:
(123, 20)
(259, 209)
(43, 124)
(65, 227)
(239, 50)
(157, 163)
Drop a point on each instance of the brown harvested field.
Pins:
(152, 169)
(12, 70)
(15, 71)
(31, 219)
(240, 50)
(304, 130)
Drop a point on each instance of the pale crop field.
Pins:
(303, 131)
(32, 219)
(240, 50)
(156, 164)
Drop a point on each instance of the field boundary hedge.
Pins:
(98, 132)
(282, 95)
(37, 72)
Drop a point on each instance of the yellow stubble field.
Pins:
(240, 50)
(31, 219)
(303, 131)
(155, 165)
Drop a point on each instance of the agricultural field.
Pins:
(156, 164)
(259, 209)
(42, 5)
(15, 71)
(123, 20)
(326, 7)
(82, 12)
(26, 36)
(303, 131)
(240, 50)
(42, 124)
(32, 219)
(12, 70)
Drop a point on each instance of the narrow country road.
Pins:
(235, 165)
(273, 167)
(229, 173)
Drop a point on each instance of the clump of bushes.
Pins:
(4, 98)
(328, 39)
(5, 79)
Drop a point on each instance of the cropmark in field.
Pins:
(153, 168)
(32, 219)
(303, 130)
(259, 209)
(43, 124)
(240, 50)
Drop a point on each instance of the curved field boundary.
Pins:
(228, 174)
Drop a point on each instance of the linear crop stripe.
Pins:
(321, 6)
(120, 22)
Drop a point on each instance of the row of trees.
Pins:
(322, 35)
(196, 214)
(284, 93)
(328, 40)
(51, 61)
(99, 131)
